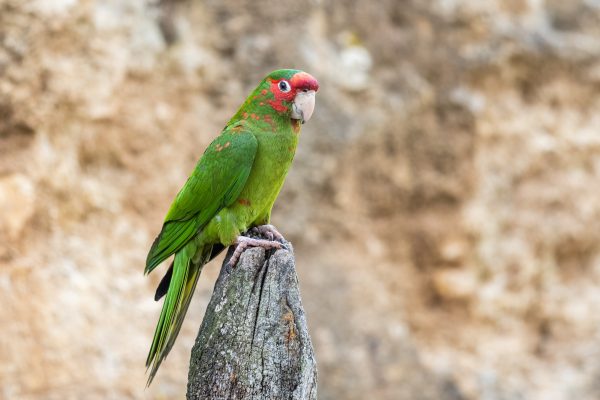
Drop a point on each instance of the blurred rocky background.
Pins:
(444, 203)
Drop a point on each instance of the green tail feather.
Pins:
(183, 282)
(173, 236)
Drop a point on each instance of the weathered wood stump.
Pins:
(254, 341)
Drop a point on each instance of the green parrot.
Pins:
(231, 190)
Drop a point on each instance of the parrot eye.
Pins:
(284, 86)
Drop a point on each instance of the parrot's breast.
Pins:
(273, 160)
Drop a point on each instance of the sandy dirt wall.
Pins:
(443, 202)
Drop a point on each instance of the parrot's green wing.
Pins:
(215, 183)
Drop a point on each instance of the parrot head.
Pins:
(290, 92)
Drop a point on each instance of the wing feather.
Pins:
(215, 183)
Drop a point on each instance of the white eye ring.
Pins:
(284, 86)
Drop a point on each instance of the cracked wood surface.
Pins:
(254, 341)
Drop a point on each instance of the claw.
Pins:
(243, 242)
(270, 232)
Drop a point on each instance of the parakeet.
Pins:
(231, 190)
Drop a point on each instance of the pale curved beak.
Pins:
(304, 105)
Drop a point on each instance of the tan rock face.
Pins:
(17, 204)
(443, 202)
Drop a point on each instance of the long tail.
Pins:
(163, 286)
(181, 288)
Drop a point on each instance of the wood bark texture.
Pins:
(254, 341)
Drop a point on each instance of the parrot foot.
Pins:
(243, 242)
(270, 232)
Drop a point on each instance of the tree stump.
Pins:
(253, 342)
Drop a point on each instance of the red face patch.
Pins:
(284, 91)
(280, 96)
(304, 81)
